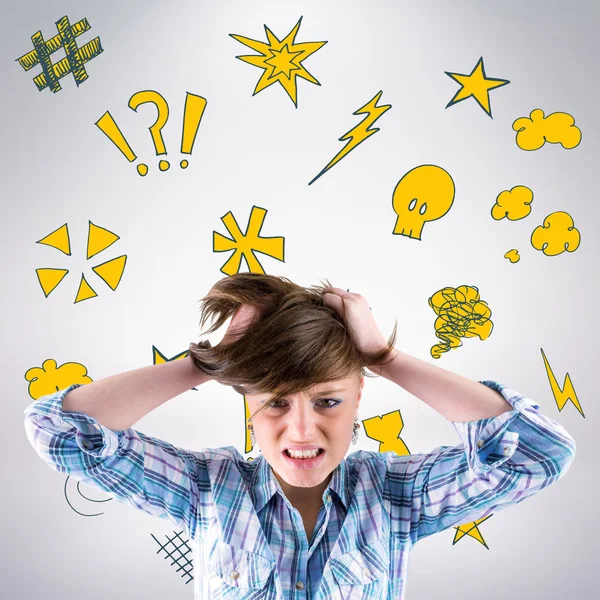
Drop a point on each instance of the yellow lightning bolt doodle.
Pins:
(475, 84)
(246, 244)
(281, 60)
(566, 393)
(359, 133)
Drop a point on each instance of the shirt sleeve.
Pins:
(147, 473)
(501, 461)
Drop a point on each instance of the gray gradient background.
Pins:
(59, 168)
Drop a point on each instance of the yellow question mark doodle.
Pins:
(155, 130)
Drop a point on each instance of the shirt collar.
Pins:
(264, 484)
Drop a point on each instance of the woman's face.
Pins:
(322, 417)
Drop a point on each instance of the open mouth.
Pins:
(311, 456)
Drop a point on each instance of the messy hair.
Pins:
(296, 343)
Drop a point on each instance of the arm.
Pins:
(455, 397)
(506, 454)
(148, 473)
(120, 401)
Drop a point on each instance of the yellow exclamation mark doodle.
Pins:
(193, 112)
(192, 115)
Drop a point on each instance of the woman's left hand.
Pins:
(354, 311)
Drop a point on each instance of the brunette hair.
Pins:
(296, 343)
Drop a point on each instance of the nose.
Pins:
(302, 422)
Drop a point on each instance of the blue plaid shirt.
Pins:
(250, 543)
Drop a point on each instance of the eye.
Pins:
(334, 402)
(273, 404)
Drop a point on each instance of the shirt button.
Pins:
(234, 574)
(86, 444)
(506, 451)
(480, 443)
(299, 585)
(366, 573)
(328, 496)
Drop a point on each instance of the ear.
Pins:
(360, 391)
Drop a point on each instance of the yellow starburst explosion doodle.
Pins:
(280, 59)
(359, 133)
(475, 84)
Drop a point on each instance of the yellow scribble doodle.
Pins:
(557, 235)
(425, 193)
(281, 60)
(564, 394)
(477, 85)
(246, 244)
(472, 530)
(99, 239)
(513, 255)
(514, 204)
(359, 133)
(461, 314)
(49, 379)
(386, 430)
(557, 128)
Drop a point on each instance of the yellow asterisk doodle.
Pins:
(99, 239)
(281, 60)
(246, 244)
(475, 84)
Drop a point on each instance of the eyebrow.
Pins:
(328, 391)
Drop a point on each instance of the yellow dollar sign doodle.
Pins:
(246, 244)
(75, 57)
(564, 394)
(557, 128)
(192, 116)
(461, 314)
(359, 133)
(99, 239)
(424, 194)
(477, 85)
(281, 60)
(558, 234)
(386, 430)
(513, 204)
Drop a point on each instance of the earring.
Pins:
(252, 437)
(355, 429)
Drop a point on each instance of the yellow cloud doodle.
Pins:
(281, 60)
(564, 393)
(49, 378)
(475, 85)
(461, 314)
(99, 239)
(557, 128)
(557, 235)
(514, 204)
(513, 256)
(246, 244)
(386, 430)
(472, 530)
(359, 133)
(424, 194)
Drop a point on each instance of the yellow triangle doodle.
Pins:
(50, 278)
(85, 291)
(472, 530)
(58, 239)
(99, 239)
(111, 271)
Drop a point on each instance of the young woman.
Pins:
(302, 520)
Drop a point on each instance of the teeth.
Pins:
(303, 454)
